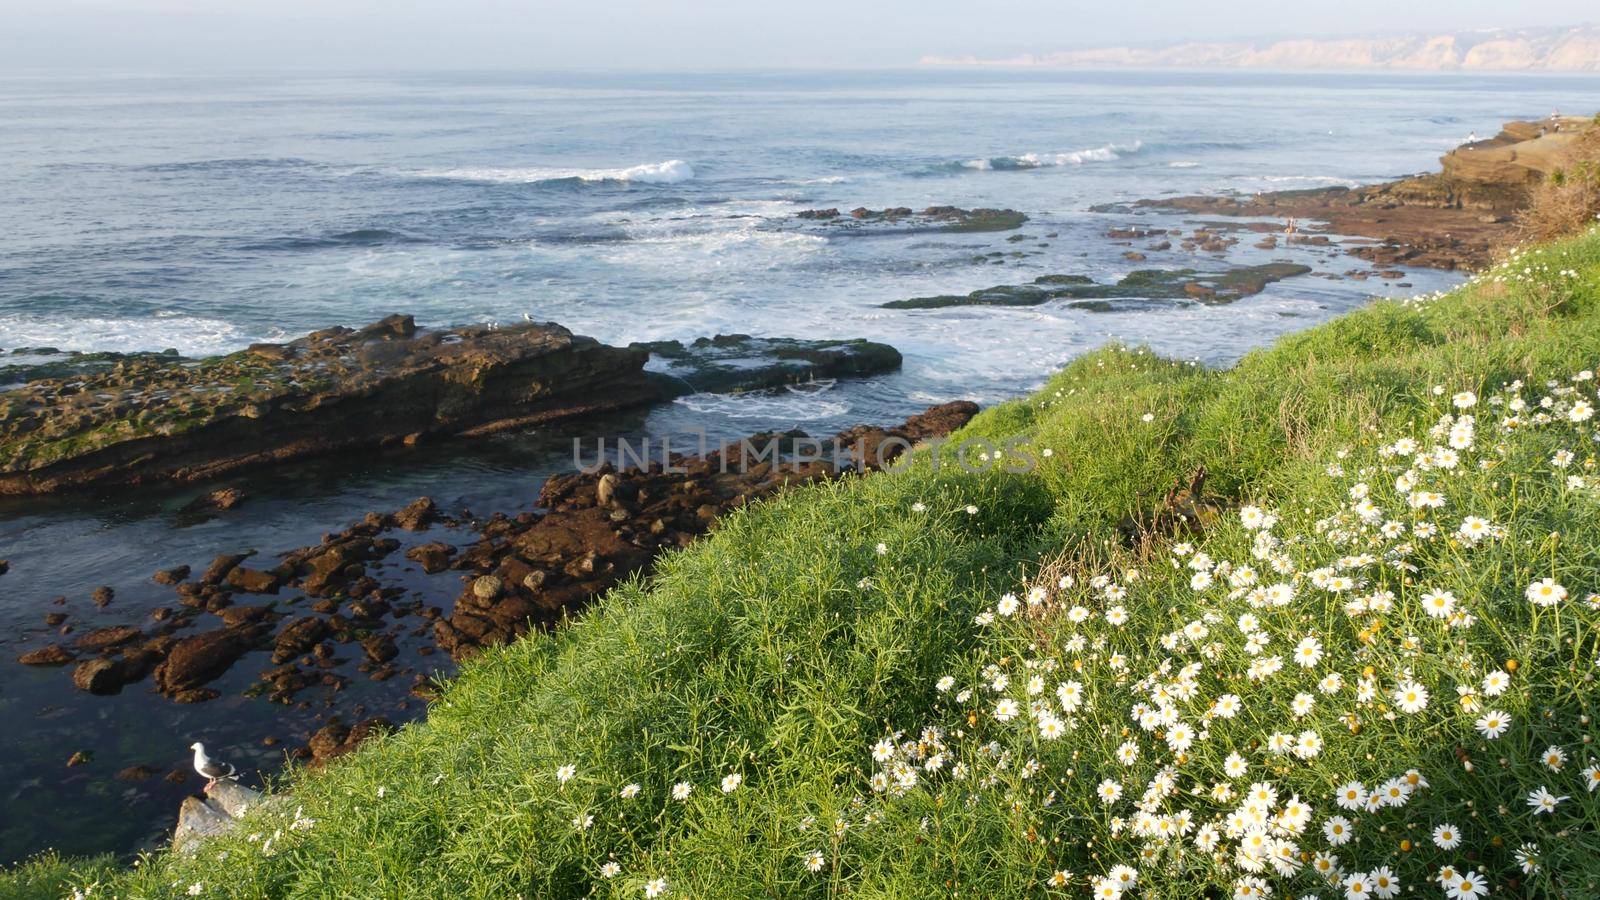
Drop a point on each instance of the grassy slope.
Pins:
(760, 650)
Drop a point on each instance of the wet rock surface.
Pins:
(354, 605)
(1193, 285)
(738, 362)
(157, 417)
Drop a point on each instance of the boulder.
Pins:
(417, 515)
(433, 556)
(171, 576)
(52, 655)
(731, 363)
(199, 658)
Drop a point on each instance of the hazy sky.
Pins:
(188, 35)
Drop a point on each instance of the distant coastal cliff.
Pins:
(1575, 49)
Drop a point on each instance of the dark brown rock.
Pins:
(252, 581)
(171, 576)
(334, 390)
(297, 637)
(104, 638)
(222, 499)
(221, 566)
(98, 676)
(102, 596)
(337, 739)
(433, 556)
(199, 658)
(417, 515)
(52, 655)
(380, 648)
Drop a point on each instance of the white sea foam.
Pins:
(1299, 179)
(670, 171)
(1183, 164)
(800, 402)
(1051, 160)
(189, 335)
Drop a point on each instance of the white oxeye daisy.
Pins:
(1465, 886)
(1545, 592)
(1493, 724)
(610, 870)
(814, 861)
(629, 791)
(1495, 683)
(1591, 777)
(1337, 830)
(682, 790)
(566, 773)
(655, 887)
(1542, 802)
(1554, 758)
(1446, 837)
(1411, 697)
(731, 782)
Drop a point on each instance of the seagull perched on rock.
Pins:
(210, 768)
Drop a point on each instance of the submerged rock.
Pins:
(1142, 284)
(904, 220)
(52, 655)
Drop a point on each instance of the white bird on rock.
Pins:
(212, 769)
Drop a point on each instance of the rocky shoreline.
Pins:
(112, 419)
(320, 615)
(1451, 219)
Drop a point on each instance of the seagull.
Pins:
(527, 317)
(210, 768)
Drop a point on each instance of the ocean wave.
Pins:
(1052, 160)
(189, 335)
(1299, 179)
(669, 171)
(1183, 164)
(798, 403)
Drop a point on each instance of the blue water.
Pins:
(147, 213)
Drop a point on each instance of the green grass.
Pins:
(787, 644)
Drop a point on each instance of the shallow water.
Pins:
(145, 213)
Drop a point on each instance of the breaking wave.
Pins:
(669, 171)
(1051, 160)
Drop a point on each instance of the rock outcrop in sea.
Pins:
(124, 419)
(1449, 219)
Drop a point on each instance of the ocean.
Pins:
(145, 213)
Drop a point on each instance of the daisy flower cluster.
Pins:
(1383, 689)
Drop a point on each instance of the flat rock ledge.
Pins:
(158, 417)
(82, 420)
(224, 804)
